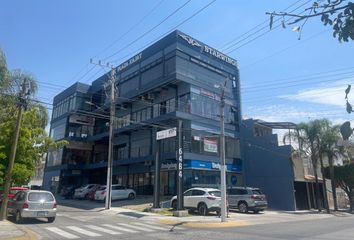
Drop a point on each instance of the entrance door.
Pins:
(172, 182)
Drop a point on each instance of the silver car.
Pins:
(246, 198)
(33, 204)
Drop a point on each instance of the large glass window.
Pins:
(54, 157)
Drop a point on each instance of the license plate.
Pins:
(41, 214)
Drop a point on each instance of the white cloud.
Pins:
(332, 94)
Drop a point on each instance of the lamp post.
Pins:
(222, 152)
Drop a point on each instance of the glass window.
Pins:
(215, 193)
(40, 196)
(198, 193)
(187, 193)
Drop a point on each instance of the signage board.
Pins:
(172, 132)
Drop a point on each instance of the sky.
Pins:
(282, 78)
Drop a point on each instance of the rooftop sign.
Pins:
(208, 50)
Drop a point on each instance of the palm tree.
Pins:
(307, 137)
(330, 137)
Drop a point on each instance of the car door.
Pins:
(11, 204)
(187, 198)
(232, 197)
(197, 197)
(114, 193)
(121, 192)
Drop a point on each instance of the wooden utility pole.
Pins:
(22, 102)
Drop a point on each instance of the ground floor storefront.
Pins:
(140, 176)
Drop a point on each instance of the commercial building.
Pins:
(176, 78)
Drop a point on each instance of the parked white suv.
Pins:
(203, 200)
(118, 192)
(82, 192)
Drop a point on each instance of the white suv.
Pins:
(203, 200)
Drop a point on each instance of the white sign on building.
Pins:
(172, 132)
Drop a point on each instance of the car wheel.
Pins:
(51, 219)
(131, 196)
(202, 209)
(255, 211)
(242, 206)
(174, 205)
(18, 217)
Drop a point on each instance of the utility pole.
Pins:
(112, 113)
(222, 154)
(110, 141)
(23, 100)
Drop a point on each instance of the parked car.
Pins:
(204, 200)
(82, 192)
(118, 192)
(91, 194)
(67, 192)
(12, 193)
(33, 204)
(246, 199)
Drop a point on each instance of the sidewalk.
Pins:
(235, 219)
(9, 230)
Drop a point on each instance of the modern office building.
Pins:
(176, 78)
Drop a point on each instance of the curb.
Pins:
(198, 224)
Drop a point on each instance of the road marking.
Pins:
(62, 233)
(101, 229)
(150, 226)
(119, 228)
(135, 227)
(83, 231)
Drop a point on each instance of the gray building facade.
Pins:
(173, 79)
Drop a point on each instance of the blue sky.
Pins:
(282, 78)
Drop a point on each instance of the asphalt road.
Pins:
(76, 223)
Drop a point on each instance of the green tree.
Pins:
(328, 147)
(33, 140)
(337, 13)
(307, 138)
(344, 176)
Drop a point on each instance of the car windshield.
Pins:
(215, 193)
(102, 188)
(258, 192)
(40, 196)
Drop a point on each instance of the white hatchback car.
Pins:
(203, 200)
(118, 192)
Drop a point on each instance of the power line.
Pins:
(150, 30)
(166, 33)
(264, 22)
(130, 29)
(262, 34)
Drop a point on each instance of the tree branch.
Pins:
(302, 17)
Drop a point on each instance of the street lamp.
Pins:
(222, 151)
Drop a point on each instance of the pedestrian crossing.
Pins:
(101, 230)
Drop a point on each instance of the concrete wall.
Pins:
(268, 167)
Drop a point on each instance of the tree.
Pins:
(344, 176)
(328, 147)
(307, 137)
(337, 13)
(33, 140)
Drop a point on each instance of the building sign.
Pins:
(172, 132)
(180, 162)
(169, 166)
(210, 145)
(129, 62)
(209, 50)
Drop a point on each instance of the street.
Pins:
(78, 223)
